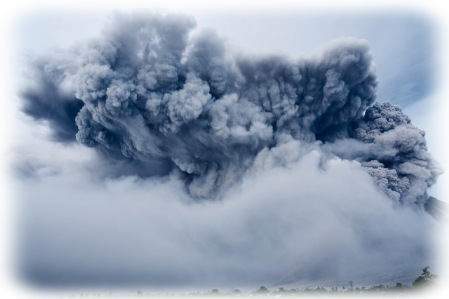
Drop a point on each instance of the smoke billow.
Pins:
(147, 93)
(399, 153)
(296, 148)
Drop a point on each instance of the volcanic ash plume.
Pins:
(154, 99)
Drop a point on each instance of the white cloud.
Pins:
(311, 218)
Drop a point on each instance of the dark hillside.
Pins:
(437, 208)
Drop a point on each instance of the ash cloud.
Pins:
(146, 93)
(398, 152)
(315, 178)
(47, 100)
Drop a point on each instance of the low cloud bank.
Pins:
(314, 219)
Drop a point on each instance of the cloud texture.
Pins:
(146, 93)
(311, 173)
(311, 221)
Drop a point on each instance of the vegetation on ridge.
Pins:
(424, 286)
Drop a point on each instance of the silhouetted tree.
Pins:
(262, 290)
(425, 278)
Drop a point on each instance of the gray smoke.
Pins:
(399, 161)
(48, 100)
(148, 95)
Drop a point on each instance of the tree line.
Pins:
(425, 286)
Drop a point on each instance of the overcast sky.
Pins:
(75, 230)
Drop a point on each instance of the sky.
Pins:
(76, 227)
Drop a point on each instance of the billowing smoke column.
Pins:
(149, 96)
(400, 164)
